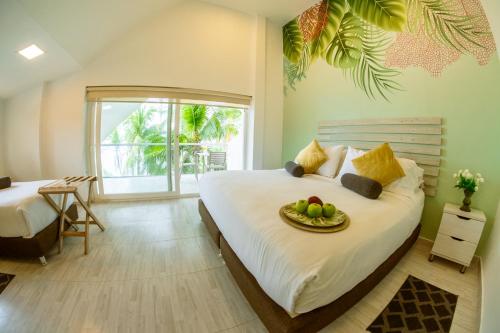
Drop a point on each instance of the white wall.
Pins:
(2, 140)
(490, 322)
(273, 118)
(22, 135)
(191, 45)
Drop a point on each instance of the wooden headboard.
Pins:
(418, 139)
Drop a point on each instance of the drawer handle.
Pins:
(457, 239)
(463, 218)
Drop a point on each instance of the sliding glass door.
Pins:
(135, 149)
(154, 148)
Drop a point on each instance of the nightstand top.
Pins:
(475, 214)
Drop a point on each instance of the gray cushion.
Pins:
(4, 182)
(294, 169)
(364, 186)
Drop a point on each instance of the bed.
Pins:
(298, 281)
(28, 226)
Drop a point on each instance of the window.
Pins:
(160, 146)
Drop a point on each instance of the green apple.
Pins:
(329, 210)
(301, 206)
(314, 210)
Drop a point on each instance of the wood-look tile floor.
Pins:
(155, 269)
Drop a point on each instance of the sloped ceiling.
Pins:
(280, 11)
(73, 32)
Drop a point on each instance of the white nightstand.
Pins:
(458, 235)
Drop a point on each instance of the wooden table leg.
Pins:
(61, 222)
(89, 211)
(87, 219)
(58, 209)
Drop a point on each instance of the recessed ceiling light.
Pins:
(31, 52)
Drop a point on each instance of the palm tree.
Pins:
(202, 123)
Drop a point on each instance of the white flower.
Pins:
(466, 171)
(468, 175)
(455, 175)
(476, 188)
(481, 180)
(478, 175)
(460, 172)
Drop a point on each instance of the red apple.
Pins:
(315, 200)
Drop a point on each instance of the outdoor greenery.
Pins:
(353, 35)
(199, 124)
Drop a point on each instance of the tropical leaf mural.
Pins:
(329, 24)
(346, 47)
(357, 36)
(370, 74)
(389, 15)
(293, 41)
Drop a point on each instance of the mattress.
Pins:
(23, 212)
(300, 270)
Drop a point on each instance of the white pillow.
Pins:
(411, 182)
(331, 166)
(347, 166)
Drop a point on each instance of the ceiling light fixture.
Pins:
(31, 52)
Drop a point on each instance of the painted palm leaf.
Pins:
(293, 41)
(346, 48)
(297, 72)
(370, 74)
(389, 15)
(330, 25)
(443, 24)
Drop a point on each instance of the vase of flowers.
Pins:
(470, 184)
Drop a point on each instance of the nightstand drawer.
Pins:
(460, 251)
(469, 230)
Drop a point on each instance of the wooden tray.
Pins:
(338, 222)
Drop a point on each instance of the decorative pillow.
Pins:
(5, 182)
(379, 164)
(311, 157)
(411, 182)
(294, 169)
(330, 167)
(347, 166)
(364, 186)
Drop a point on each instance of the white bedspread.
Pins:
(23, 212)
(300, 270)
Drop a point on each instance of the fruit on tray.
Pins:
(329, 210)
(301, 206)
(314, 210)
(315, 200)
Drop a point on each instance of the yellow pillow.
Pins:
(379, 164)
(311, 157)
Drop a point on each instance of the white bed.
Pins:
(23, 212)
(299, 270)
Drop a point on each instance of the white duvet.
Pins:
(23, 212)
(300, 270)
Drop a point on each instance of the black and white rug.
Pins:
(417, 307)
(5, 280)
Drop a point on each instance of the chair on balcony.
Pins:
(216, 161)
(185, 155)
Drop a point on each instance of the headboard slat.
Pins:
(417, 138)
(427, 139)
(396, 129)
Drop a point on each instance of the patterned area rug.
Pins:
(417, 307)
(5, 280)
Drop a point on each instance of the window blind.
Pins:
(181, 95)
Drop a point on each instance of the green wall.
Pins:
(466, 96)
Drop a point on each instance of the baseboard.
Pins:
(426, 239)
